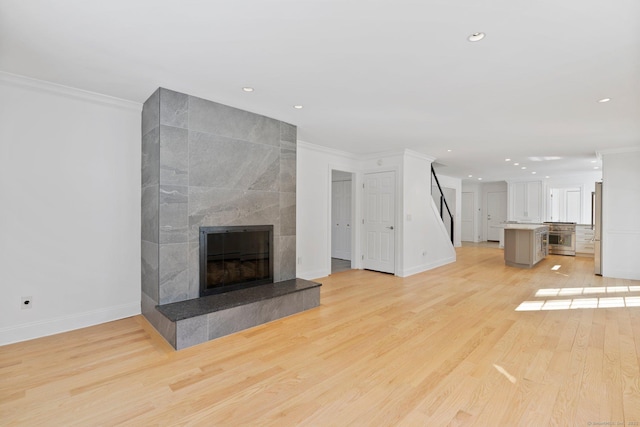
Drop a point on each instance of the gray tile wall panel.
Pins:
(221, 162)
(151, 112)
(287, 251)
(174, 215)
(173, 272)
(174, 156)
(174, 108)
(151, 158)
(211, 117)
(288, 133)
(191, 331)
(149, 267)
(212, 206)
(287, 214)
(149, 225)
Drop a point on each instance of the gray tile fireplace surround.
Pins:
(206, 164)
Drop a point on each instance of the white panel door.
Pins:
(468, 217)
(341, 220)
(379, 221)
(496, 213)
(572, 206)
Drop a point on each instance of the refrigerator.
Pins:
(597, 230)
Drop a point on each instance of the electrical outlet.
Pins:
(27, 303)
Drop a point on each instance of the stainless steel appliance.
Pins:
(597, 231)
(562, 238)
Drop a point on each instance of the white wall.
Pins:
(455, 184)
(313, 207)
(621, 214)
(426, 243)
(70, 216)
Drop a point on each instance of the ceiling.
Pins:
(372, 76)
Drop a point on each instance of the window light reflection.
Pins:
(552, 292)
(576, 303)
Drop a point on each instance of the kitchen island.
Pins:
(525, 245)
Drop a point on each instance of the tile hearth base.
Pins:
(203, 319)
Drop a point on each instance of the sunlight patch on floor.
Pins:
(552, 292)
(568, 304)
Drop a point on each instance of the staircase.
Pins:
(443, 206)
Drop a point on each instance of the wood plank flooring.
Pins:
(445, 347)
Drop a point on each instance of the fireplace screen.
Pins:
(235, 257)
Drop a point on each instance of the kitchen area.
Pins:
(612, 248)
(531, 231)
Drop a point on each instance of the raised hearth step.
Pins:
(181, 310)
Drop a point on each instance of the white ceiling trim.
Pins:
(54, 88)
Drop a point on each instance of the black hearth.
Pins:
(235, 257)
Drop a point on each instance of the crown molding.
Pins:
(57, 89)
(326, 150)
(621, 150)
(417, 155)
(368, 156)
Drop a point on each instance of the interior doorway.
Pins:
(496, 214)
(342, 203)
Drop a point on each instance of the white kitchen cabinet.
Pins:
(584, 240)
(525, 202)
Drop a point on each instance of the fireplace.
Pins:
(235, 257)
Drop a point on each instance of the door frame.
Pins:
(355, 230)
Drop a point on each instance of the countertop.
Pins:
(525, 226)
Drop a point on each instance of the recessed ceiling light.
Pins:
(594, 161)
(476, 37)
(507, 160)
(479, 179)
(298, 107)
(247, 89)
(596, 167)
(603, 100)
(470, 176)
(533, 173)
(448, 151)
(547, 177)
(516, 164)
(524, 167)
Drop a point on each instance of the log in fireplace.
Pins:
(235, 257)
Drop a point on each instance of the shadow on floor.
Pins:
(338, 265)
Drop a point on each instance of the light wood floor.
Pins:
(445, 347)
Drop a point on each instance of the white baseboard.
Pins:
(425, 267)
(310, 275)
(43, 328)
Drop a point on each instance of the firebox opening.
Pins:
(235, 257)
